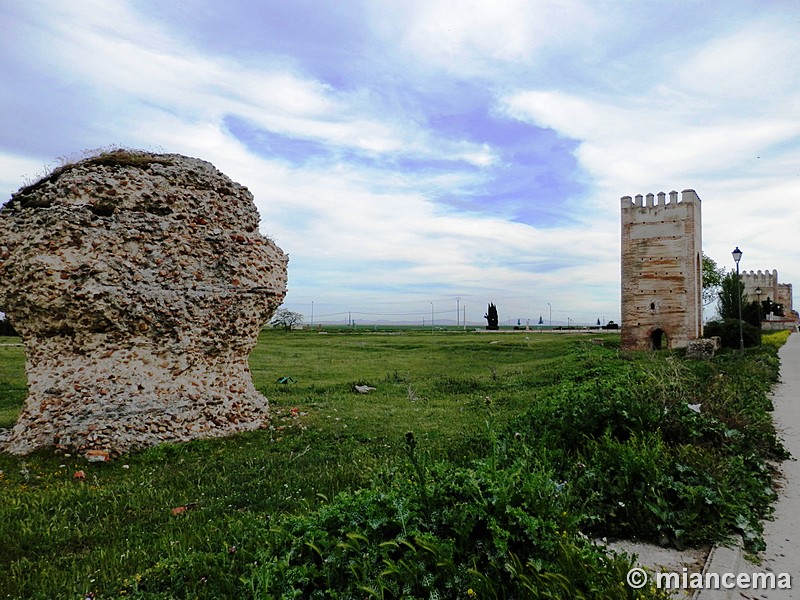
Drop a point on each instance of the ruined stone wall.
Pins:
(139, 283)
(661, 270)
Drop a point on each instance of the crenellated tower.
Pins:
(662, 270)
(767, 281)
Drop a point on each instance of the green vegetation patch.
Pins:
(13, 387)
(481, 465)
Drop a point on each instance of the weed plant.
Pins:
(481, 466)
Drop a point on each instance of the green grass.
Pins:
(12, 380)
(432, 384)
(490, 408)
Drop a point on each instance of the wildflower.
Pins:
(471, 593)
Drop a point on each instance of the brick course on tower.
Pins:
(662, 278)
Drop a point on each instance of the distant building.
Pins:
(779, 293)
(662, 277)
(772, 289)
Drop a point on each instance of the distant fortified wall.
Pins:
(780, 293)
(662, 278)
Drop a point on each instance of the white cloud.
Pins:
(749, 66)
(17, 171)
(701, 121)
(726, 122)
(473, 38)
(129, 62)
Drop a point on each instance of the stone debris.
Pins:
(702, 349)
(139, 283)
(97, 456)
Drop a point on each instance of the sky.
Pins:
(418, 159)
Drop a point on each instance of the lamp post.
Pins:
(431, 317)
(758, 296)
(551, 316)
(737, 256)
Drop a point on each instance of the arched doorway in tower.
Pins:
(658, 339)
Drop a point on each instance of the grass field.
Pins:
(12, 380)
(601, 440)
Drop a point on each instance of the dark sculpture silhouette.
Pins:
(491, 317)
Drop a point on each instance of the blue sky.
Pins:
(416, 152)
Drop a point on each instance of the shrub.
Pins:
(776, 339)
(728, 331)
(665, 450)
(482, 532)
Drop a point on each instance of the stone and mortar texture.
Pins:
(139, 283)
(662, 278)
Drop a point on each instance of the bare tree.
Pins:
(286, 318)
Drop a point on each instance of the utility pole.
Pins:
(458, 310)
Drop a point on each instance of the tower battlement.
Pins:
(757, 278)
(659, 200)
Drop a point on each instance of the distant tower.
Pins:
(662, 271)
(780, 293)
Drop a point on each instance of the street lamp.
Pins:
(737, 256)
(551, 316)
(758, 296)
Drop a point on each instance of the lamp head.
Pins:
(737, 255)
